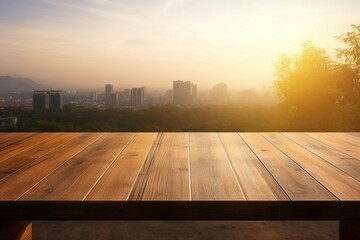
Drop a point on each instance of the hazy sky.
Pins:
(132, 43)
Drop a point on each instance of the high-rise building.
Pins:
(137, 97)
(47, 100)
(41, 100)
(127, 93)
(184, 93)
(114, 100)
(55, 100)
(94, 96)
(71, 92)
(108, 91)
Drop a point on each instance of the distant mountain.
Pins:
(14, 84)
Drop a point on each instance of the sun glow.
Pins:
(154, 43)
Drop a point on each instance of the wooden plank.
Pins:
(20, 182)
(355, 134)
(7, 139)
(18, 147)
(118, 181)
(340, 184)
(342, 141)
(257, 183)
(76, 177)
(352, 138)
(212, 177)
(297, 183)
(15, 230)
(339, 159)
(27, 234)
(14, 163)
(168, 174)
(141, 180)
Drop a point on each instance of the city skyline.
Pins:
(93, 42)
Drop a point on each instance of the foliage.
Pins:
(306, 87)
(165, 118)
(319, 93)
(349, 80)
(351, 54)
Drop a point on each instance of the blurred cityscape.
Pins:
(182, 94)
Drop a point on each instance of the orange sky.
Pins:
(135, 43)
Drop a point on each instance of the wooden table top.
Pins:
(203, 167)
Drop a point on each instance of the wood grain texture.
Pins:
(18, 183)
(339, 159)
(296, 182)
(212, 176)
(341, 185)
(7, 139)
(355, 134)
(168, 175)
(343, 142)
(20, 146)
(181, 176)
(27, 234)
(140, 183)
(16, 162)
(77, 176)
(118, 181)
(180, 167)
(350, 137)
(255, 180)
